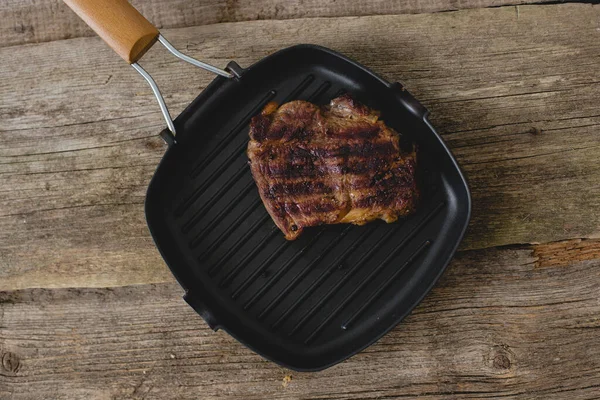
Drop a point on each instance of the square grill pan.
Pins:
(313, 302)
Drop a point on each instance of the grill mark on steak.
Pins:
(300, 188)
(334, 164)
(357, 159)
(355, 149)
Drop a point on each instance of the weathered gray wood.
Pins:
(515, 97)
(496, 326)
(35, 21)
(514, 91)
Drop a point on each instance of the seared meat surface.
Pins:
(327, 165)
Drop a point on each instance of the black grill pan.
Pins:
(313, 302)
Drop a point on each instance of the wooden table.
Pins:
(88, 309)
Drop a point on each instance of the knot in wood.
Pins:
(10, 362)
(501, 361)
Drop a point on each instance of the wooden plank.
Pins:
(78, 143)
(495, 326)
(566, 252)
(36, 21)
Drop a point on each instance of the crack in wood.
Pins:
(531, 156)
(75, 170)
(530, 122)
(73, 207)
(125, 117)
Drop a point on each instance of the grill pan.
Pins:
(315, 301)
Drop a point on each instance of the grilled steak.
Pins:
(327, 165)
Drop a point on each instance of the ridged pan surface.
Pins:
(309, 303)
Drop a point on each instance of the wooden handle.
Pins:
(120, 25)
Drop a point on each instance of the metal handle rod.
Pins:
(154, 86)
(158, 95)
(191, 60)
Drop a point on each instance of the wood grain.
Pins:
(89, 311)
(35, 21)
(496, 326)
(566, 252)
(78, 143)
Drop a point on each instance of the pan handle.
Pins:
(119, 24)
(130, 35)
